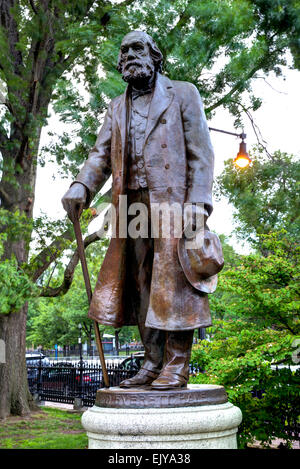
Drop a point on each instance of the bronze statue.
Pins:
(155, 142)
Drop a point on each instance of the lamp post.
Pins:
(80, 342)
(242, 159)
(80, 361)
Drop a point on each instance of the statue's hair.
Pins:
(155, 53)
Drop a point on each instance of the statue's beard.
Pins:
(138, 73)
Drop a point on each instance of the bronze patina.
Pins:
(143, 397)
(155, 142)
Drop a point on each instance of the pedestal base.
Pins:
(191, 427)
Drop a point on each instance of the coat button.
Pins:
(167, 166)
(142, 182)
(163, 121)
(169, 190)
(164, 145)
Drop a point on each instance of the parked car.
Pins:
(69, 378)
(33, 361)
(134, 362)
(34, 358)
(88, 381)
(58, 376)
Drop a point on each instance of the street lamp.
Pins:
(79, 341)
(242, 159)
(80, 362)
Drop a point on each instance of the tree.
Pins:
(260, 304)
(265, 195)
(243, 358)
(39, 42)
(219, 300)
(46, 46)
(264, 289)
(54, 320)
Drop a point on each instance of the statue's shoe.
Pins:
(169, 381)
(142, 378)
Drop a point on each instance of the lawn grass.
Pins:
(47, 428)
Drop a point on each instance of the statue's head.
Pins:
(139, 58)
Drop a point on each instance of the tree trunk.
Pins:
(14, 391)
(15, 396)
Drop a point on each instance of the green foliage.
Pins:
(265, 195)
(15, 225)
(61, 56)
(241, 357)
(258, 301)
(217, 45)
(264, 288)
(219, 300)
(55, 320)
(71, 49)
(15, 286)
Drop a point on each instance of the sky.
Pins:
(277, 119)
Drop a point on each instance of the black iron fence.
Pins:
(91, 353)
(64, 381)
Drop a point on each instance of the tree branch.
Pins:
(237, 87)
(40, 263)
(126, 3)
(256, 129)
(3, 138)
(4, 196)
(49, 254)
(269, 84)
(183, 19)
(69, 271)
(8, 22)
(33, 7)
(261, 63)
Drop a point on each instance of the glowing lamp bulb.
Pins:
(242, 159)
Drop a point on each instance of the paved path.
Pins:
(60, 405)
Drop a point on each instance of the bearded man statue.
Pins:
(155, 142)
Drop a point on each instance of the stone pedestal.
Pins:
(198, 417)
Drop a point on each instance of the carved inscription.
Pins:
(118, 398)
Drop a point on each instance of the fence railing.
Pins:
(66, 381)
(92, 353)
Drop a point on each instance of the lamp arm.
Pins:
(242, 135)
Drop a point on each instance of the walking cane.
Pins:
(88, 288)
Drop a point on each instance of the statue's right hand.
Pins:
(74, 200)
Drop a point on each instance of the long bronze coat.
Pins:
(179, 167)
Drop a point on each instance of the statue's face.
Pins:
(136, 62)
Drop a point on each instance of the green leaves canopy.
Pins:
(265, 196)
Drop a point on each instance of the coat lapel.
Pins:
(162, 98)
(122, 118)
